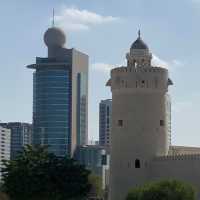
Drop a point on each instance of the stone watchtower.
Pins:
(139, 119)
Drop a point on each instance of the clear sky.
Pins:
(104, 29)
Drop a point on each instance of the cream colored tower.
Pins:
(139, 119)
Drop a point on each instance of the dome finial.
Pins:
(53, 19)
(139, 34)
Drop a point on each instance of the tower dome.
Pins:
(139, 43)
(139, 55)
(54, 37)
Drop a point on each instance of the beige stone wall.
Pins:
(183, 168)
(183, 150)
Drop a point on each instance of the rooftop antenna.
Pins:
(53, 20)
(139, 33)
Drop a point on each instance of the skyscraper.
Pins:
(105, 119)
(60, 96)
(21, 135)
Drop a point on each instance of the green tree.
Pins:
(163, 190)
(96, 186)
(35, 174)
(3, 196)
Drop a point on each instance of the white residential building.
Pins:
(4, 146)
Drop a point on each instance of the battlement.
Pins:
(178, 157)
(139, 70)
(148, 79)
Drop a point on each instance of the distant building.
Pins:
(21, 135)
(93, 142)
(4, 146)
(60, 96)
(96, 159)
(105, 119)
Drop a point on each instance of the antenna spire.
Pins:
(139, 34)
(53, 20)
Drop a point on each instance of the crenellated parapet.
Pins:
(178, 157)
(154, 79)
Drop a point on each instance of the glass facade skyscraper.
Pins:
(105, 122)
(60, 92)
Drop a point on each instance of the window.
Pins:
(137, 163)
(108, 111)
(162, 123)
(104, 160)
(156, 82)
(108, 121)
(143, 81)
(120, 123)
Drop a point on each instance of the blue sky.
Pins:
(104, 29)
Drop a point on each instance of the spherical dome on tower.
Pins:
(54, 37)
(139, 43)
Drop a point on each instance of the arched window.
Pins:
(137, 163)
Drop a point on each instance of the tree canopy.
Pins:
(163, 190)
(36, 174)
(96, 186)
(3, 196)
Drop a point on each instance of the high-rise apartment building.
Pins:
(21, 135)
(60, 96)
(105, 119)
(4, 146)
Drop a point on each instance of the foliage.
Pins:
(35, 174)
(96, 185)
(163, 190)
(3, 196)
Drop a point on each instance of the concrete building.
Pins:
(4, 146)
(141, 150)
(21, 135)
(96, 159)
(105, 118)
(60, 96)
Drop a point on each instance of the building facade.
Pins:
(21, 135)
(60, 96)
(96, 159)
(141, 149)
(5, 140)
(105, 118)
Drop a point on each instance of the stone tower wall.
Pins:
(139, 121)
